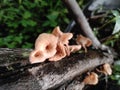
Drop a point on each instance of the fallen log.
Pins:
(17, 73)
(13, 56)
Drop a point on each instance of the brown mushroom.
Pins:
(45, 47)
(85, 42)
(106, 69)
(91, 79)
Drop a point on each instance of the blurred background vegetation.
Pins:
(21, 21)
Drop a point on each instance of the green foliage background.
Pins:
(21, 21)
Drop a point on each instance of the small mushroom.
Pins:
(106, 69)
(91, 79)
(85, 42)
(45, 47)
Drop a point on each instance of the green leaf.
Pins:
(20, 1)
(53, 16)
(18, 39)
(46, 23)
(53, 23)
(27, 45)
(24, 23)
(32, 23)
(115, 13)
(66, 20)
(14, 24)
(117, 25)
(27, 15)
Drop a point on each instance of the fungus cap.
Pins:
(107, 69)
(63, 37)
(85, 42)
(91, 79)
(62, 45)
(61, 53)
(45, 47)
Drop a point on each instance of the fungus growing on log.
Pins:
(91, 79)
(45, 47)
(55, 46)
(62, 45)
(105, 69)
(84, 41)
(61, 53)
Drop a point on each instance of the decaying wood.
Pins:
(16, 73)
(75, 84)
(67, 69)
(13, 56)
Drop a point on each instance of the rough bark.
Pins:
(13, 56)
(16, 73)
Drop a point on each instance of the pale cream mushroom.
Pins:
(57, 32)
(45, 47)
(74, 48)
(63, 37)
(91, 79)
(53, 46)
(62, 45)
(61, 53)
(85, 42)
(106, 69)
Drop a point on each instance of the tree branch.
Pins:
(81, 20)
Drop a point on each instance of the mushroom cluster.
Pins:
(55, 46)
(92, 77)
